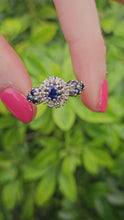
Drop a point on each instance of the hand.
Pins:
(80, 25)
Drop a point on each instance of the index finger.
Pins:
(80, 24)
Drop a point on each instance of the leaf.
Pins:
(64, 117)
(6, 122)
(104, 209)
(8, 175)
(102, 157)
(3, 5)
(116, 107)
(34, 66)
(14, 136)
(112, 140)
(33, 173)
(76, 138)
(107, 24)
(115, 75)
(43, 33)
(28, 207)
(119, 30)
(67, 186)
(46, 157)
(90, 162)
(116, 198)
(119, 128)
(3, 109)
(45, 188)
(10, 28)
(11, 194)
(47, 12)
(40, 111)
(5, 160)
(88, 115)
(70, 164)
(67, 69)
(42, 121)
(56, 70)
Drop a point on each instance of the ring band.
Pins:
(55, 91)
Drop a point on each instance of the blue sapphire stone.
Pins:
(32, 92)
(53, 93)
(81, 85)
(74, 83)
(29, 98)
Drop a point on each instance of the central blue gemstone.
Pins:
(53, 93)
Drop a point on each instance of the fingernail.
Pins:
(103, 96)
(17, 104)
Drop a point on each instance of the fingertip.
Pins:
(100, 104)
(18, 105)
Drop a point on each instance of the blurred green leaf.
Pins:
(119, 128)
(43, 121)
(6, 122)
(10, 28)
(67, 69)
(5, 160)
(45, 188)
(35, 67)
(115, 75)
(90, 162)
(40, 110)
(107, 25)
(56, 70)
(28, 207)
(104, 209)
(3, 5)
(70, 163)
(33, 173)
(64, 117)
(8, 175)
(102, 157)
(10, 137)
(47, 156)
(3, 109)
(112, 140)
(11, 194)
(67, 185)
(116, 198)
(88, 115)
(43, 33)
(119, 30)
(47, 12)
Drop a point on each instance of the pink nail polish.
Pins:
(17, 104)
(103, 96)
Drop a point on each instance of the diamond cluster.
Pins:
(54, 91)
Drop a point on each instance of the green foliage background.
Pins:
(68, 164)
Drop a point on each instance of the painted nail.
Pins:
(17, 104)
(103, 96)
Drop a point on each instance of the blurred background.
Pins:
(68, 164)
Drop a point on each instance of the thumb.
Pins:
(15, 83)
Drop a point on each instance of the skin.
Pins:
(80, 24)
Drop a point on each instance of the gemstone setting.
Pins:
(54, 91)
(53, 94)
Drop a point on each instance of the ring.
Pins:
(55, 91)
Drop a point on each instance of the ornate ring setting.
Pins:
(55, 91)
